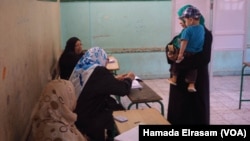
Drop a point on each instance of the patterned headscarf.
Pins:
(182, 9)
(53, 117)
(94, 57)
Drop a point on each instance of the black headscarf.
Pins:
(70, 45)
(69, 58)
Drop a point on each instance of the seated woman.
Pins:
(94, 83)
(53, 117)
(72, 53)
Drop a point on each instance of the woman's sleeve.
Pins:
(114, 86)
(120, 87)
(206, 53)
(203, 58)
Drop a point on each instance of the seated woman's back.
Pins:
(53, 117)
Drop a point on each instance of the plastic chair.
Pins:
(245, 64)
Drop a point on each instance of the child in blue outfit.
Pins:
(191, 42)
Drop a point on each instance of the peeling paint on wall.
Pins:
(3, 73)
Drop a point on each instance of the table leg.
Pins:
(161, 104)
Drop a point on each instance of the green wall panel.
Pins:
(134, 31)
(227, 62)
(129, 25)
(117, 24)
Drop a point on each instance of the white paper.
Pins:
(137, 78)
(136, 84)
(130, 135)
(111, 61)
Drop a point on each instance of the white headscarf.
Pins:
(94, 57)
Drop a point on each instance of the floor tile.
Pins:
(224, 99)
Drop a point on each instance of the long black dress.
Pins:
(67, 63)
(192, 108)
(93, 112)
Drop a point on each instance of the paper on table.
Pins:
(111, 61)
(137, 78)
(130, 135)
(136, 84)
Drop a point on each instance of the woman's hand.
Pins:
(171, 56)
(129, 75)
(120, 77)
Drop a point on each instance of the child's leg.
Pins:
(191, 78)
(173, 79)
(191, 87)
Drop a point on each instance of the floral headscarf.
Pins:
(94, 57)
(53, 117)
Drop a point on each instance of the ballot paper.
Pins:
(136, 84)
(138, 78)
(111, 61)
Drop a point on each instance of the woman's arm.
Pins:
(109, 84)
(206, 53)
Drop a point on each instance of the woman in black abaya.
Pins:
(192, 108)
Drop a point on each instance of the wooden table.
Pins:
(137, 96)
(113, 64)
(149, 116)
(144, 95)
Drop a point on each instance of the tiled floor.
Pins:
(224, 99)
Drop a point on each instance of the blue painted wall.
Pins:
(134, 25)
(119, 25)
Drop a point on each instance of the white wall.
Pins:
(30, 41)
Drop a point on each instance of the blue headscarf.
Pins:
(94, 57)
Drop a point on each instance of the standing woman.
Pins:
(94, 83)
(72, 53)
(192, 108)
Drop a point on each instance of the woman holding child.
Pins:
(191, 107)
